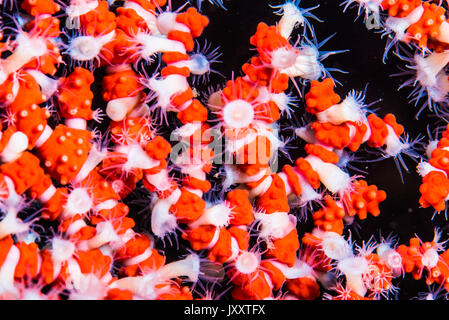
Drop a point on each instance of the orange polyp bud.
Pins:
(196, 112)
(40, 7)
(293, 179)
(184, 37)
(440, 159)
(400, 8)
(285, 249)
(275, 198)
(337, 136)
(364, 199)
(307, 171)
(330, 218)
(321, 96)
(194, 183)
(94, 262)
(158, 148)
(322, 153)
(195, 21)
(118, 294)
(24, 172)
(428, 24)
(74, 91)
(222, 250)
(99, 21)
(242, 211)
(189, 207)
(54, 149)
(120, 84)
(304, 288)
(276, 276)
(200, 237)
(28, 262)
(267, 39)
(379, 131)
(390, 119)
(434, 190)
(129, 21)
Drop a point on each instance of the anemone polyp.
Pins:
(238, 114)
(247, 262)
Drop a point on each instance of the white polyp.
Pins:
(151, 45)
(149, 18)
(89, 287)
(93, 159)
(18, 142)
(106, 205)
(86, 48)
(7, 271)
(44, 136)
(48, 85)
(162, 221)
(80, 7)
(247, 262)
(306, 65)
(276, 225)
(214, 240)
(333, 178)
(76, 123)
(334, 245)
(11, 224)
(427, 68)
(438, 92)
(300, 269)
(160, 180)
(28, 48)
(140, 258)
(400, 25)
(306, 134)
(105, 234)
(186, 131)
(347, 110)
(234, 176)
(14, 199)
(166, 22)
(238, 114)
(308, 193)
(425, 168)
(117, 109)
(432, 145)
(235, 250)
(75, 226)
(218, 215)
(261, 188)
(288, 188)
(353, 268)
(79, 201)
(188, 267)
(391, 258)
(62, 250)
(281, 100)
(284, 57)
(47, 194)
(137, 158)
(166, 88)
(443, 35)
(198, 64)
(430, 258)
(291, 16)
(394, 146)
(234, 145)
